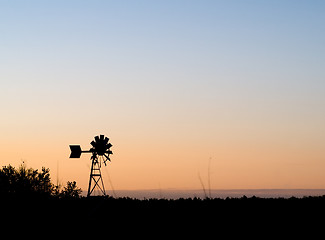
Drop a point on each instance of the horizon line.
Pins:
(213, 193)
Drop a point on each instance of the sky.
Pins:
(228, 94)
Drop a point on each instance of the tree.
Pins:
(25, 181)
(29, 182)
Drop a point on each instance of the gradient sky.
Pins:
(234, 90)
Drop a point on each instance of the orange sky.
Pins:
(174, 159)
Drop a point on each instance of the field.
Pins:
(253, 211)
(126, 218)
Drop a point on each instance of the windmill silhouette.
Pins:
(100, 154)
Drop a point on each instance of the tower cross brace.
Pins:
(95, 179)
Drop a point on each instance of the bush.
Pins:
(71, 191)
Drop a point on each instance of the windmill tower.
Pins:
(100, 154)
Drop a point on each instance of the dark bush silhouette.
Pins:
(71, 190)
(26, 182)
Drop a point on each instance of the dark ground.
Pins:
(231, 216)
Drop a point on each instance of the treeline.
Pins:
(23, 182)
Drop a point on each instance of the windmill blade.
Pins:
(107, 157)
(106, 140)
(97, 139)
(101, 137)
(93, 143)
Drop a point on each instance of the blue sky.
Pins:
(246, 41)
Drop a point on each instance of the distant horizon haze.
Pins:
(213, 193)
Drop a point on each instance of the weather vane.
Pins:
(100, 154)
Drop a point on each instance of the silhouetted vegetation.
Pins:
(23, 182)
(26, 193)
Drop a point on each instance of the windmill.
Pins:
(100, 154)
